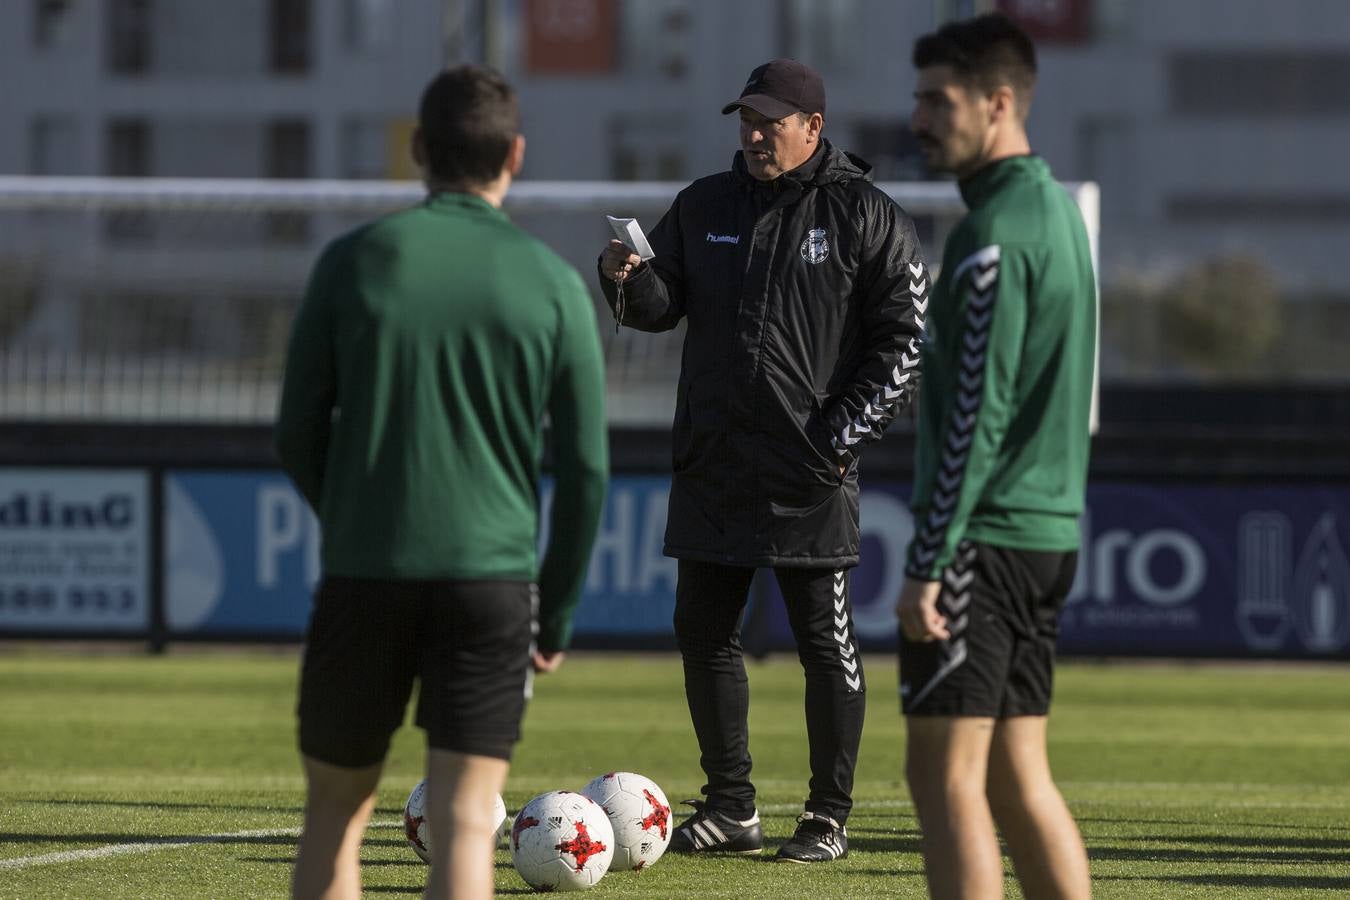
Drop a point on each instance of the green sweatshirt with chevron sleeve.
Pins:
(1008, 362)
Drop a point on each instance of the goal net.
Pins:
(126, 300)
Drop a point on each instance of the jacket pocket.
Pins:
(821, 441)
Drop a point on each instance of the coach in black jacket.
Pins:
(804, 292)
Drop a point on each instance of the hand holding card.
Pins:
(630, 233)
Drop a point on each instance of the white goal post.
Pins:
(164, 299)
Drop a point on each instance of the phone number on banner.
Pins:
(90, 600)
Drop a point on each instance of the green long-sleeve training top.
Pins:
(427, 351)
(1008, 361)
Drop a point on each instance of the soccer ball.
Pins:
(639, 813)
(415, 827)
(561, 841)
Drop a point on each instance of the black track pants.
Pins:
(709, 600)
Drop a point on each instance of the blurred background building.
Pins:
(1216, 129)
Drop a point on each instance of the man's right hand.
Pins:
(918, 611)
(619, 261)
(547, 662)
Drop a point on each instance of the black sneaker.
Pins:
(709, 831)
(818, 839)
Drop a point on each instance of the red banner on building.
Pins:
(570, 37)
(1052, 21)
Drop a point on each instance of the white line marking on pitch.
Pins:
(64, 856)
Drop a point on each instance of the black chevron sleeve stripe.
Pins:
(900, 384)
(983, 288)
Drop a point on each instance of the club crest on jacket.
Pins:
(815, 249)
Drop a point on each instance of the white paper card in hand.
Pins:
(630, 232)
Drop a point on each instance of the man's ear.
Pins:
(814, 125)
(418, 149)
(515, 157)
(1003, 105)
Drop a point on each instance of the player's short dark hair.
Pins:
(985, 52)
(468, 117)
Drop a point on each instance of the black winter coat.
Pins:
(805, 299)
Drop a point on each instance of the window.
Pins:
(290, 36)
(654, 37)
(825, 36)
(128, 36)
(889, 145)
(127, 153)
(127, 148)
(948, 10)
(368, 25)
(1260, 82)
(1106, 151)
(365, 148)
(288, 156)
(51, 23)
(647, 148)
(1307, 208)
(52, 146)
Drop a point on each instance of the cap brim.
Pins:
(763, 104)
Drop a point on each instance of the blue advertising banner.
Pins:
(1164, 570)
(1213, 571)
(243, 557)
(630, 586)
(242, 554)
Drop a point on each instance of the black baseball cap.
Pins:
(780, 88)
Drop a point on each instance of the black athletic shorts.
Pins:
(1002, 607)
(466, 642)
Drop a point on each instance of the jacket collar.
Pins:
(978, 188)
(828, 164)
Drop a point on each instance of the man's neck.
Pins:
(492, 193)
(815, 151)
(1005, 145)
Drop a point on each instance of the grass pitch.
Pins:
(125, 775)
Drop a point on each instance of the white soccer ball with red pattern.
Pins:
(638, 812)
(415, 827)
(561, 841)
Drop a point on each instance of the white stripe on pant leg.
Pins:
(848, 653)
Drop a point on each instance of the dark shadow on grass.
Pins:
(1338, 846)
(365, 863)
(1269, 826)
(132, 804)
(892, 843)
(417, 892)
(391, 889)
(1281, 882)
(106, 838)
(860, 829)
(1209, 854)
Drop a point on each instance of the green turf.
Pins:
(1188, 781)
